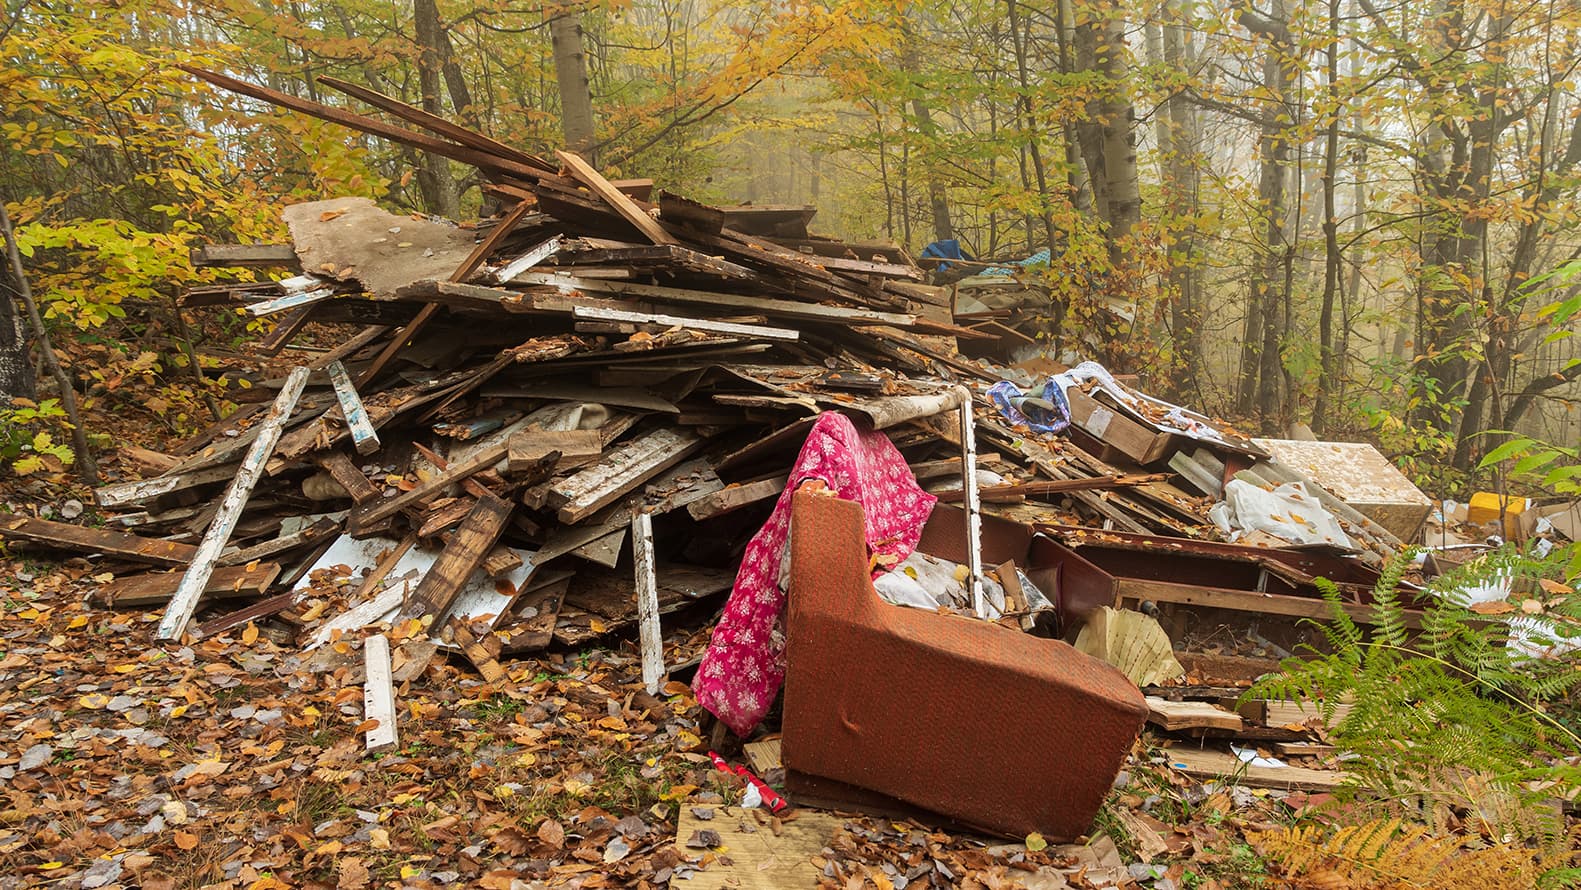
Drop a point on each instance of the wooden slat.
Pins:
(378, 695)
(299, 300)
(1206, 764)
(650, 638)
(576, 447)
(340, 468)
(372, 126)
(231, 505)
(735, 497)
(464, 554)
(363, 436)
(687, 296)
(152, 588)
(1175, 715)
(432, 122)
(368, 514)
(286, 330)
(624, 469)
(251, 612)
(584, 173)
(244, 256)
(315, 532)
(123, 493)
(79, 538)
(756, 332)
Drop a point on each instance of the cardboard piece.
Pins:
(756, 850)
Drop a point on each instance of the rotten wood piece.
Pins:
(258, 611)
(1178, 715)
(584, 173)
(244, 256)
(626, 468)
(82, 539)
(195, 581)
(152, 588)
(367, 515)
(651, 640)
(575, 447)
(473, 540)
(363, 436)
(734, 497)
(378, 695)
(343, 471)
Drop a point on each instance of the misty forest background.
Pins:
(1355, 214)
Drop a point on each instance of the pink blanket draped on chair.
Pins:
(745, 662)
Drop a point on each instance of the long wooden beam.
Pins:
(193, 583)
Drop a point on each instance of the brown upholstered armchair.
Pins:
(983, 724)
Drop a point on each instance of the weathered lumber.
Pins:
(375, 511)
(291, 301)
(432, 122)
(286, 330)
(974, 519)
(584, 173)
(650, 638)
(734, 497)
(766, 305)
(1058, 486)
(626, 468)
(363, 436)
(151, 588)
(340, 468)
(527, 260)
(264, 608)
(378, 695)
(760, 332)
(1176, 715)
(244, 256)
(488, 666)
(473, 540)
(315, 532)
(196, 579)
(123, 493)
(575, 447)
(64, 536)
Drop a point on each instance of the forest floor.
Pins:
(238, 762)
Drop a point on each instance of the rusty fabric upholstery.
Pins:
(997, 729)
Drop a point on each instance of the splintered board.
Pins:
(1210, 764)
(764, 852)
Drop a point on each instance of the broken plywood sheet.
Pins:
(481, 597)
(756, 850)
(1359, 475)
(353, 238)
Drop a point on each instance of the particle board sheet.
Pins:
(756, 850)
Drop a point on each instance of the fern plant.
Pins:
(1467, 717)
(1389, 853)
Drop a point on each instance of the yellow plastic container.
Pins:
(1484, 508)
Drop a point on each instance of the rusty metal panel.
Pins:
(985, 725)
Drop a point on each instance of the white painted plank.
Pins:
(649, 636)
(528, 260)
(185, 600)
(363, 434)
(289, 301)
(378, 694)
(974, 518)
(754, 331)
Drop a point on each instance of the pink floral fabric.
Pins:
(745, 662)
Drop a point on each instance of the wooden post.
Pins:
(974, 519)
(378, 694)
(363, 434)
(649, 635)
(185, 601)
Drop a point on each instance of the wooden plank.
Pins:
(1293, 713)
(64, 536)
(650, 637)
(1175, 715)
(286, 330)
(576, 447)
(1208, 764)
(196, 579)
(473, 540)
(363, 436)
(151, 588)
(626, 468)
(340, 468)
(735, 497)
(757, 332)
(432, 122)
(531, 258)
(766, 305)
(298, 300)
(764, 755)
(1057, 486)
(368, 514)
(378, 695)
(488, 666)
(123, 493)
(315, 532)
(974, 508)
(247, 614)
(373, 126)
(244, 256)
(501, 560)
(584, 173)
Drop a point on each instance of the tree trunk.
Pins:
(576, 96)
(1328, 365)
(1178, 141)
(1029, 121)
(1119, 138)
(434, 177)
(16, 372)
